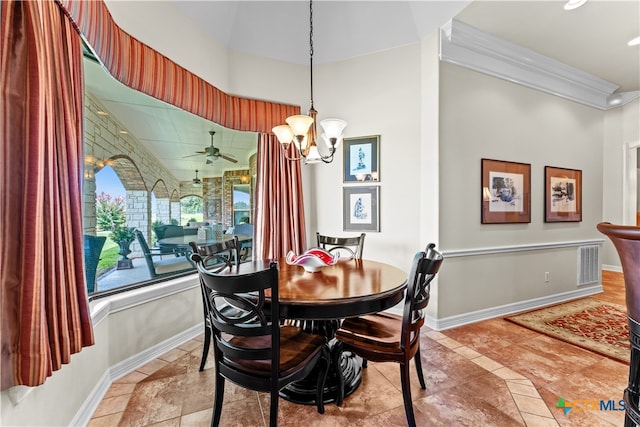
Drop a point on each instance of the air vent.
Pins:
(588, 264)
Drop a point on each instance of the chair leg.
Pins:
(406, 394)
(364, 363)
(418, 362)
(219, 396)
(206, 344)
(336, 356)
(273, 414)
(322, 378)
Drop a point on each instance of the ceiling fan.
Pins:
(213, 153)
(197, 182)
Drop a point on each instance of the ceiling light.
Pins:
(124, 132)
(574, 4)
(102, 113)
(634, 42)
(196, 181)
(302, 130)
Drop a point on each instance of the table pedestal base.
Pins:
(349, 364)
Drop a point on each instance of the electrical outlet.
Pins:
(546, 277)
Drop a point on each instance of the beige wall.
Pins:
(392, 94)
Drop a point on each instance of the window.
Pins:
(141, 158)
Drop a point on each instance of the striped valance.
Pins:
(140, 67)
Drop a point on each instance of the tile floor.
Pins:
(491, 373)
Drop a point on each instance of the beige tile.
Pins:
(132, 378)
(173, 355)
(152, 366)
(197, 419)
(467, 352)
(525, 390)
(434, 335)
(105, 421)
(449, 343)
(118, 389)
(488, 364)
(531, 405)
(112, 405)
(537, 421)
(508, 374)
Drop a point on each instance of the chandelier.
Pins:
(301, 129)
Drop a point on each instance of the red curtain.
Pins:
(45, 313)
(280, 225)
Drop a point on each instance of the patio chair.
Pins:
(159, 267)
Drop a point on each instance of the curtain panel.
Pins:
(280, 224)
(45, 313)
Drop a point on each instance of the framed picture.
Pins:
(362, 159)
(505, 192)
(361, 208)
(562, 194)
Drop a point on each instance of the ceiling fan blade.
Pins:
(192, 155)
(230, 159)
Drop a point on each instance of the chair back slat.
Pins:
(424, 268)
(220, 255)
(235, 306)
(354, 246)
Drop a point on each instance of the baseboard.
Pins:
(615, 268)
(503, 310)
(125, 367)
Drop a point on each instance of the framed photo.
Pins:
(505, 192)
(361, 208)
(362, 159)
(562, 194)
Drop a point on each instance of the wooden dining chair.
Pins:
(385, 337)
(250, 349)
(353, 246)
(626, 240)
(216, 257)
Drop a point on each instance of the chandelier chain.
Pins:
(311, 48)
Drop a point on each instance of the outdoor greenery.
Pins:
(109, 255)
(122, 234)
(110, 212)
(111, 222)
(191, 205)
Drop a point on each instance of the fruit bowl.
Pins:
(313, 259)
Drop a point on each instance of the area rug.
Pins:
(595, 325)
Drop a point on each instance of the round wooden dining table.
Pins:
(318, 301)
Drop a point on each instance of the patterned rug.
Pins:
(595, 325)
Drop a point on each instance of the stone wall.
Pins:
(107, 142)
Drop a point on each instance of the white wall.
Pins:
(377, 94)
(130, 329)
(621, 130)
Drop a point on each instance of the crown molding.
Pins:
(464, 45)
